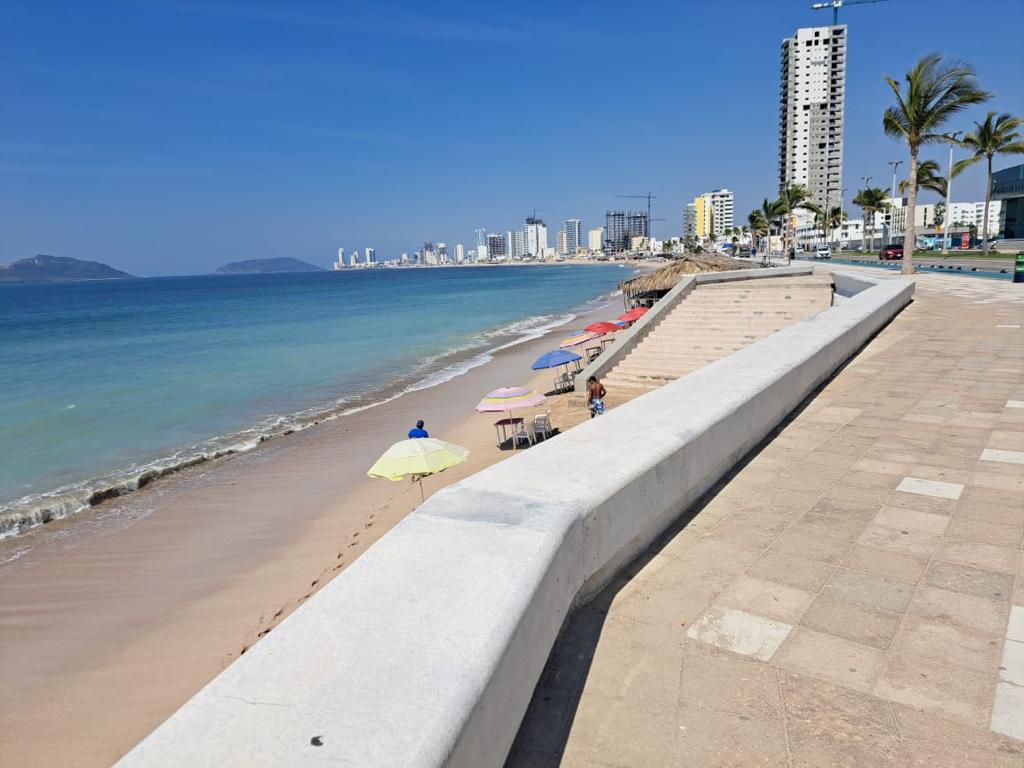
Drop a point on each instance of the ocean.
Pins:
(107, 385)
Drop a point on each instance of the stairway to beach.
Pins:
(715, 320)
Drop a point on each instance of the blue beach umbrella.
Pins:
(554, 358)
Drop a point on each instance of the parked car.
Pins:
(891, 252)
(823, 252)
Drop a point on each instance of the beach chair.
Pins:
(519, 432)
(542, 426)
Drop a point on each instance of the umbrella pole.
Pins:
(422, 496)
(514, 441)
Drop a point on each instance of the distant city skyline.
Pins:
(168, 138)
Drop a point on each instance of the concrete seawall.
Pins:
(427, 649)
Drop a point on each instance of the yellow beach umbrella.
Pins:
(416, 458)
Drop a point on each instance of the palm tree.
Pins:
(770, 212)
(834, 219)
(872, 200)
(995, 136)
(936, 91)
(928, 177)
(791, 198)
(758, 226)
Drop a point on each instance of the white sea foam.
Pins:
(37, 509)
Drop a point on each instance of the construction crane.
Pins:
(835, 5)
(648, 197)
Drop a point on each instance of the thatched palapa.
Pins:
(656, 284)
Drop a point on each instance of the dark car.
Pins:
(892, 251)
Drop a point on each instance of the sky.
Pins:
(173, 136)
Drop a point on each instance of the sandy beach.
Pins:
(117, 616)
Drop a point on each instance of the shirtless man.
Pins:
(595, 396)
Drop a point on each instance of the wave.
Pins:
(38, 509)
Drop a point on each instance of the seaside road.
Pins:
(853, 595)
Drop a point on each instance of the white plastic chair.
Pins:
(542, 426)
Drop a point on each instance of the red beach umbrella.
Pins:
(603, 327)
(634, 314)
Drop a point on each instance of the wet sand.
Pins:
(115, 617)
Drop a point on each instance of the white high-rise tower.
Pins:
(811, 130)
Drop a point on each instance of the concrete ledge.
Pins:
(615, 353)
(427, 649)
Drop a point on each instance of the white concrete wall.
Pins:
(427, 649)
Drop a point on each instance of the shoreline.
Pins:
(120, 615)
(20, 515)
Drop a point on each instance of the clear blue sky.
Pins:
(169, 137)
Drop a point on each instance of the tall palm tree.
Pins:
(994, 136)
(928, 177)
(791, 199)
(936, 90)
(770, 212)
(871, 200)
(834, 218)
(758, 226)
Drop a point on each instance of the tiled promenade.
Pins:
(852, 596)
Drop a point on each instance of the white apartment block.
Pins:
(560, 246)
(721, 211)
(460, 253)
(595, 239)
(813, 88)
(573, 235)
(536, 235)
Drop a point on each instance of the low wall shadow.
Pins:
(547, 723)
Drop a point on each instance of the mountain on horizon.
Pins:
(57, 269)
(267, 266)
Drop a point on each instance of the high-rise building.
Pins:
(460, 253)
(496, 246)
(442, 253)
(535, 235)
(371, 257)
(595, 239)
(712, 213)
(621, 227)
(573, 235)
(560, 242)
(690, 220)
(515, 244)
(481, 238)
(813, 93)
(340, 263)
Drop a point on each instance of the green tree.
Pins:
(871, 200)
(834, 219)
(791, 199)
(770, 212)
(928, 177)
(997, 135)
(935, 91)
(758, 226)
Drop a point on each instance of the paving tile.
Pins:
(896, 565)
(1002, 456)
(902, 540)
(975, 614)
(832, 658)
(1015, 626)
(739, 632)
(984, 533)
(933, 504)
(870, 590)
(918, 728)
(723, 682)
(926, 487)
(898, 517)
(1013, 486)
(970, 581)
(952, 692)
(1001, 514)
(948, 645)
(988, 556)
(851, 621)
(766, 598)
(797, 572)
(810, 546)
(619, 732)
(1015, 403)
(1011, 667)
(1008, 710)
(726, 739)
(832, 726)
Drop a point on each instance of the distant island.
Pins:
(267, 266)
(57, 269)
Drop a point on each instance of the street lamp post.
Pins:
(864, 229)
(949, 186)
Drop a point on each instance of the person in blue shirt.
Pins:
(418, 430)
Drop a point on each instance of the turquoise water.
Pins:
(105, 383)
